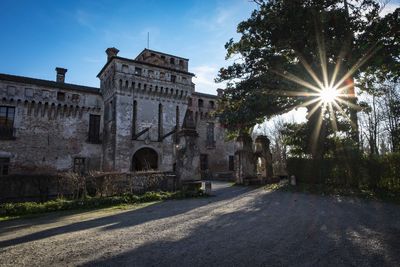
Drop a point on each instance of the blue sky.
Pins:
(38, 36)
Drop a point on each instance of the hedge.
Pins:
(27, 208)
(377, 173)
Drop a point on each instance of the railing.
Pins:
(7, 133)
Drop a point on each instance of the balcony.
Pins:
(7, 133)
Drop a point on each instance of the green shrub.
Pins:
(26, 208)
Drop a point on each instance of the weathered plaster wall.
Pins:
(49, 133)
(122, 86)
(218, 155)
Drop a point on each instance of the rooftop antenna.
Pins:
(148, 40)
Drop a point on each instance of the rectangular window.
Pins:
(94, 129)
(138, 71)
(75, 98)
(134, 118)
(162, 75)
(125, 68)
(79, 165)
(177, 124)
(4, 163)
(60, 96)
(203, 162)
(231, 163)
(7, 122)
(160, 122)
(173, 78)
(210, 135)
(28, 92)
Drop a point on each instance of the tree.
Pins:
(289, 47)
(390, 106)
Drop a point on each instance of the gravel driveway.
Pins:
(240, 226)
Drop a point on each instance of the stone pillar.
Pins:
(245, 165)
(188, 155)
(263, 152)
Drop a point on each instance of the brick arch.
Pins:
(145, 158)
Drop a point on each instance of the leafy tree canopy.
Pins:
(283, 38)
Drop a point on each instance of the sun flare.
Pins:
(328, 94)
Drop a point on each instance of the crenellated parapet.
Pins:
(41, 98)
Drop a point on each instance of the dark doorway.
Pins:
(231, 163)
(203, 162)
(145, 159)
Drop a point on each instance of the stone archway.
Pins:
(145, 159)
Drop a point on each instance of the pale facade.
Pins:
(127, 124)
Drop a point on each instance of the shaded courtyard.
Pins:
(238, 226)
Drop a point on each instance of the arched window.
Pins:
(212, 104)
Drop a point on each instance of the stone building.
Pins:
(216, 155)
(128, 124)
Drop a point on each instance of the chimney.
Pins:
(111, 52)
(220, 92)
(60, 75)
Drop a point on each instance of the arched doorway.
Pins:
(145, 159)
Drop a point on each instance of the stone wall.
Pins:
(122, 85)
(41, 187)
(49, 131)
(203, 107)
(51, 121)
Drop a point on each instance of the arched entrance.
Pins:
(145, 159)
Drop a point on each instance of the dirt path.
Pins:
(240, 226)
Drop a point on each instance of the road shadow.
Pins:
(124, 219)
(281, 229)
